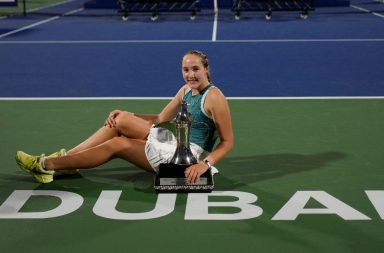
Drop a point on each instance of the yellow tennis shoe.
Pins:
(32, 164)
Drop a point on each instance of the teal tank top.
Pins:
(203, 129)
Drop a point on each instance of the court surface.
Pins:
(306, 98)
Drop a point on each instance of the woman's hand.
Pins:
(193, 172)
(111, 119)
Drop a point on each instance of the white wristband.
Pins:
(208, 163)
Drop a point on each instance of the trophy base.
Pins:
(171, 179)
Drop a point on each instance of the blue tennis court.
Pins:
(341, 53)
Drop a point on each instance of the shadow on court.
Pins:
(252, 169)
(234, 173)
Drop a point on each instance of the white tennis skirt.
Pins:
(161, 145)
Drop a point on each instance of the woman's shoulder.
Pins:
(215, 100)
(215, 93)
(183, 89)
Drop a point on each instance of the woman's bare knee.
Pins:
(118, 145)
(123, 117)
(131, 126)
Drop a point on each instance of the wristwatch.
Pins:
(208, 163)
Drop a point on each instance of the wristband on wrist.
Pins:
(208, 163)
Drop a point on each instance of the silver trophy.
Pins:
(171, 176)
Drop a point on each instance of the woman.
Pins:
(132, 136)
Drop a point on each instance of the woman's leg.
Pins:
(131, 150)
(100, 136)
(126, 124)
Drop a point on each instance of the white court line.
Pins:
(168, 98)
(216, 11)
(44, 7)
(359, 8)
(69, 13)
(307, 98)
(367, 11)
(185, 41)
(49, 6)
(28, 26)
(39, 23)
(80, 98)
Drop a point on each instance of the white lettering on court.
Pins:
(198, 205)
(377, 199)
(106, 207)
(10, 209)
(296, 206)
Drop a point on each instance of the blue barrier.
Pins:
(208, 4)
(229, 3)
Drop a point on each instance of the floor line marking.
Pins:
(40, 23)
(168, 98)
(184, 41)
(216, 10)
(29, 26)
(367, 11)
(42, 8)
(49, 6)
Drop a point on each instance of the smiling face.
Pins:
(195, 74)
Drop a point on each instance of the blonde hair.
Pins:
(204, 61)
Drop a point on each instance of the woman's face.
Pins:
(194, 73)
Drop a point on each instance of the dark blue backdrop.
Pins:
(228, 3)
(72, 56)
(210, 3)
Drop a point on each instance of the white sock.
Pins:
(42, 162)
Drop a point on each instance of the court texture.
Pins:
(306, 96)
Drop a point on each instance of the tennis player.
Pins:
(132, 137)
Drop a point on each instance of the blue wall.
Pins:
(209, 3)
(228, 3)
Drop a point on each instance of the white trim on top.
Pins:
(187, 41)
(168, 98)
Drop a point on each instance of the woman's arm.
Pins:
(217, 106)
(169, 111)
(167, 114)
